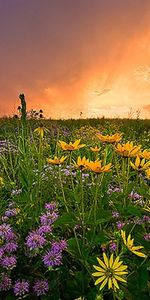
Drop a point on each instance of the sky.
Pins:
(73, 56)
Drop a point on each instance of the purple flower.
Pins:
(50, 206)
(11, 212)
(135, 196)
(11, 247)
(5, 282)
(35, 240)
(48, 218)
(147, 237)
(57, 247)
(146, 219)
(44, 229)
(8, 262)
(1, 251)
(52, 258)
(115, 214)
(112, 247)
(5, 229)
(21, 287)
(40, 287)
(11, 236)
(119, 225)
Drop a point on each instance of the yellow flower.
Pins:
(41, 130)
(128, 150)
(82, 162)
(56, 160)
(71, 146)
(145, 154)
(140, 165)
(1, 181)
(95, 149)
(96, 166)
(129, 244)
(110, 271)
(147, 172)
(115, 138)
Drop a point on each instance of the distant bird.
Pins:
(99, 93)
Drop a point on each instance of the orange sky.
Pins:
(71, 56)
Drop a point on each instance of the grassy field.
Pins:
(75, 209)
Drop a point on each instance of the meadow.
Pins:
(75, 209)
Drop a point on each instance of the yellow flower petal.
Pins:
(103, 284)
(98, 269)
(101, 263)
(115, 283)
(98, 274)
(109, 283)
(100, 280)
(119, 278)
(105, 259)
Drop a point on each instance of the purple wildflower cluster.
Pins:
(9, 245)
(40, 242)
(53, 257)
(114, 189)
(5, 282)
(21, 287)
(11, 211)
(137, 198)
(40, 287)
(40, 238)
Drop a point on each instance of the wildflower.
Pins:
(11, 247)
(48, 218)
(82, 162)
(145, 154)
(115, 214)
(128, 150)
(71, 146)
(40, 287)
(21, 287)
(96, 167)
(5, 282)
(41, 130)
(52, 258)
(57, 247)
(35, 240)
(147, 172)
(147, 237)
(110, 271)
(140, 165)
(112, 246)
(95, 149)
(11, 212)
(56, 160)
(1, 251)
(129, 244)
(44, 229)
(8, 262)
(135, 196)
(115, 138)
(50, 206)
(119, 224)
(5, 229)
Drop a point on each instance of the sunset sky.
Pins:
(72, 56)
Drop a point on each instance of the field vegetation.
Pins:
(75, 208)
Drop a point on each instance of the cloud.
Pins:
(54, 50)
